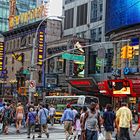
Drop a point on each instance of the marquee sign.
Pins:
(27, 17)
(1, 56)
(40, 47)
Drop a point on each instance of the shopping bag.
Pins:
(37, 127)
(101, 136)
(1, 127)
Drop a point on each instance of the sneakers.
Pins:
(47, 135)
(39, 137)
(28, 137)
(33, 137)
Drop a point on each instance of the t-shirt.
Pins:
(92, 121)
(52, 111)
(43, 114)
(32, 117)
(124, 116)
(109, 118)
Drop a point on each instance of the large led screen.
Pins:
(122, 13)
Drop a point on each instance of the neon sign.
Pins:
(40, 47)
(1, 55)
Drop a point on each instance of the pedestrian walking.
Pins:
(91, 121)
(83, 133)
(6, 118)
(77, 127)
(52, 112)
(123, 122)
(43, 114)
(31, 121)
(68, 119)
(108, 122)
(19, 116)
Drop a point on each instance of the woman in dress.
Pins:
(19, 116)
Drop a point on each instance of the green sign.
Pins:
(26, 72)
(69, 56)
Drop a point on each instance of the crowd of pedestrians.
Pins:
(86, 123)
(81, 124)
(35, 118)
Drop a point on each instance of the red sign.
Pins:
(80, 83)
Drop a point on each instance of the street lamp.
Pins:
(33, 49)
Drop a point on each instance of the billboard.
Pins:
(121, 13)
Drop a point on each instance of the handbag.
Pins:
(37, 127)
(101, 136)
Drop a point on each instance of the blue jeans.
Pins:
(91, 135)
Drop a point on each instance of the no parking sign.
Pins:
(32, 86)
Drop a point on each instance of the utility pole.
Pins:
(32, 63)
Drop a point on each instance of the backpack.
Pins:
(7, 113)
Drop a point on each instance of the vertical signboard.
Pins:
(1, 56)
(12, 11)
(41, 39)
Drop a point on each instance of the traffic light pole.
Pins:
(32, 63)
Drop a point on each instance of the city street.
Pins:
(56, 133)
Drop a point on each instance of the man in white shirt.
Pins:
(52, 114)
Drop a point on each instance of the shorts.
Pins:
(108, 135)
(77, 132)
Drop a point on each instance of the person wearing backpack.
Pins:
(6, 118)
(43, 114)
(30, 122)
(108, 122)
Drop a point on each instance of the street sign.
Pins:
(69, 56)
(32, 86)
(26, 72)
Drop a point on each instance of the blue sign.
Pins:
(122, 13)
(126, 71)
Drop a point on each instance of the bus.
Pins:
(60, 102)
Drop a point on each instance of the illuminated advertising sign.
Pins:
(122, 13)
(27, 17)
(40, 47)
(1, 56)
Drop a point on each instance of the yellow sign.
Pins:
(27, 17)
(40, 48)
(1, 55)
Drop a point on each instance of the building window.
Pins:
(96, 10)
(69, 1)
(82, 15)
(60, 65)
(95, 63)
(69, 18)
(96, 34)
(108, 65)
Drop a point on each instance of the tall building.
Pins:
(84, 18)
(21, 6)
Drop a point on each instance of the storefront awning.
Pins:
(84, 84)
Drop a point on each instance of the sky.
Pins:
(55, 8)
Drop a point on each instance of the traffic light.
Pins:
(130, 52)
(124, 52)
